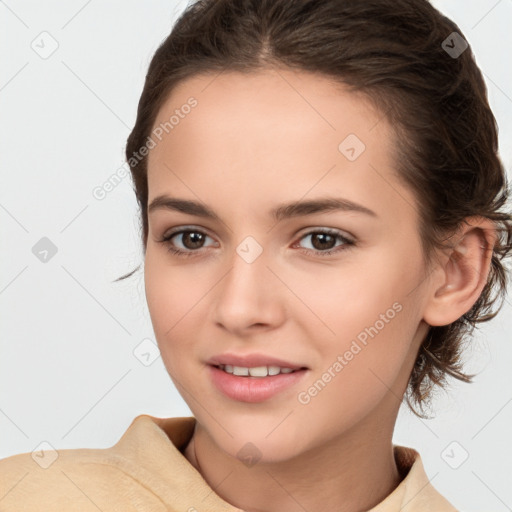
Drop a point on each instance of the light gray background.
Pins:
(68, 373)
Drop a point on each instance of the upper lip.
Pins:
(252, 361)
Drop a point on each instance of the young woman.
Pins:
(323, 219)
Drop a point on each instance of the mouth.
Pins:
(256, 371)
(256, 383)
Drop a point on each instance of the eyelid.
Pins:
(306, 231)
(330, 231)
(179, 229)
(348, 240)
(184, 229)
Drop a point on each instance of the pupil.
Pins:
(193, 235)
(322, 236)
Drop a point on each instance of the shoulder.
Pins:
(86, 479)
(73, 479)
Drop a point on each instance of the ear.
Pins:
(461, 273)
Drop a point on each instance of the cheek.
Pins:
(363, 293)
(174, 299)
(357, 372)
(365, 339)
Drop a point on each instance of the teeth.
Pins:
(239, 370)
(257, 371)
(273, 370)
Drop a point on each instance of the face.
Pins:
(336, 291)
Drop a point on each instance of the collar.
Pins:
(151, 450)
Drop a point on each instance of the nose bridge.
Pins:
(248, 275)
(247, 293)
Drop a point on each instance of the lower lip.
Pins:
(253, 389)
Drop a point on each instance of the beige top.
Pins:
(146, 471)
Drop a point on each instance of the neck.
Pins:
(351, 472)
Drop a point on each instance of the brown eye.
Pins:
(324, 242)
(191, 240)
(321, 241)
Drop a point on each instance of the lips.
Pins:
(254, 389)
(252, 361)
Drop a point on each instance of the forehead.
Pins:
(270, 102)
(268, 134)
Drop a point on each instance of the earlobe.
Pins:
(463, 273)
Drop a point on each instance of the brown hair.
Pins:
(395, 52)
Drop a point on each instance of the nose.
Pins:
(249, 297)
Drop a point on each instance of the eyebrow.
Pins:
(283, 211)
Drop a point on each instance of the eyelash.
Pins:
(347, 243)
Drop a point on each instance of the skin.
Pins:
(255, 141)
